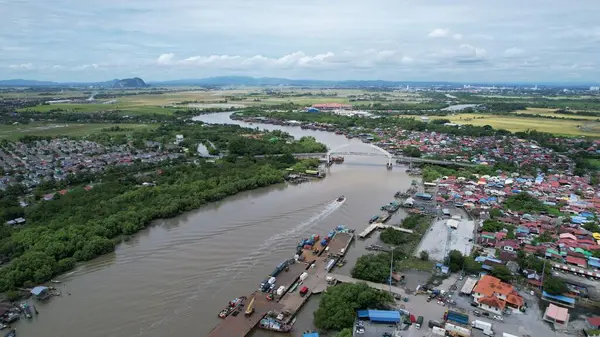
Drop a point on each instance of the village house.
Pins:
(495, 296)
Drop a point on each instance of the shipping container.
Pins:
(437, 331)
(459, 330)
(303, 276)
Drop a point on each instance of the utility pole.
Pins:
(543, 274)
(391, 269)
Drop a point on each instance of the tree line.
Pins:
(83, 224)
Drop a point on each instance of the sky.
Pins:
(401, 40)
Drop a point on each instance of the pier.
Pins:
(291, 301)
(375, 226)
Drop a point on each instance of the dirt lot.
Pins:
(435, 241)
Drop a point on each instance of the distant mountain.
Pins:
(221, 81)
(26, 83)
(134, 82)
(272, 81)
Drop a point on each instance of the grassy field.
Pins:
(515, 124)
(550, 113)
(124, 107)
(14, 132)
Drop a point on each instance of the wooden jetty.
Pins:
(375, 226)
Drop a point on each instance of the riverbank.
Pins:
(169, 278)
(70, 224)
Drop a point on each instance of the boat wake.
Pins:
(274, 242)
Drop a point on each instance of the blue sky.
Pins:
(525, 40)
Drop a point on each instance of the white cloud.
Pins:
(299, 59)
(513, 52)
(25, 66)
(165, 58)
(85, 67)
(280, 38)
(443, 32)
(439, 32)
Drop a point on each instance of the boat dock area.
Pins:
(374, 226)
(317, 274)
(241, 325)
(291, 301)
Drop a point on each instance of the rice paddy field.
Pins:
(550, 113)
(14, 132)
(166, 103)
(564, 127)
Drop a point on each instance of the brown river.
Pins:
(174, 277)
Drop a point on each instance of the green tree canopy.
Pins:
(395, 238)
(555, 286)
(372, 267)
(455, 260)
(338, 306)
(347, 332)
(502, 272)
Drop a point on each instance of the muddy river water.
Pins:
(173, 278)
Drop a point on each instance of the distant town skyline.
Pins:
(436, 40)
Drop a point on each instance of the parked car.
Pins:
(498, 318)
(474, 304)
(360, 330)
(476, 313)
(386, 334)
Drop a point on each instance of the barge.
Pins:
(272, 324)
(233, 305)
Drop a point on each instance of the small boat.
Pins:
(11, 333)
(232, 306)
(26, 309)
(374, 218)
(272, 324)
(341, 198)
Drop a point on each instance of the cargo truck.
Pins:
(419, 322)
(455, 316)
(484, 326)
(457, 330)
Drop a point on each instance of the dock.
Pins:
(291, 301)
(375, 226)
(316, 281)
(241, 325)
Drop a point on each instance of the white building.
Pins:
(178, 139)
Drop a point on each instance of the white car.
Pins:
(360, 330)
(498, 318)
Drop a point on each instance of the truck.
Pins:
(279, 268)
(457, 317)
(419, 322)
(484, 326)
(457, 330)
(433, 323)
(435, 331)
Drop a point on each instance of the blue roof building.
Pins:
(41, 292)
(380, 316)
